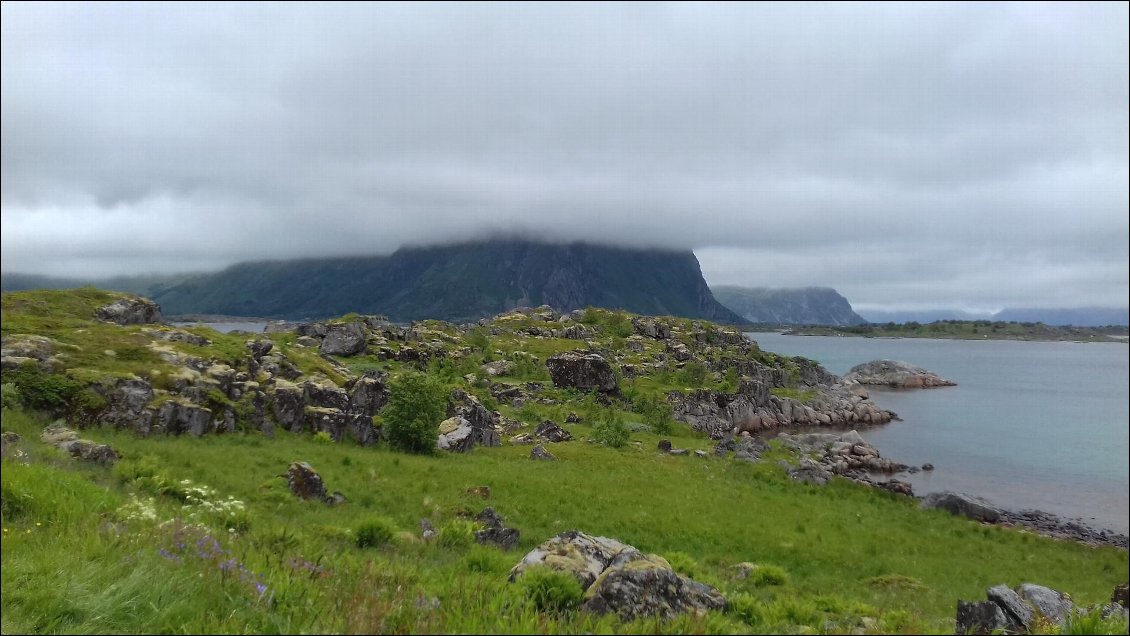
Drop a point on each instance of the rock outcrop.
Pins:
(344, 339)
(1014, 611)
(895, 374)
(130, 310)
(957, 503)
(582, 371)
(619, 579)
(755, 407)
(68, 441)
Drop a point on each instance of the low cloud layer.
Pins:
(970, 156)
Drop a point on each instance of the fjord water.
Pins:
(1040, 425)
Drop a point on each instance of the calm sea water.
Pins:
(1039, 425)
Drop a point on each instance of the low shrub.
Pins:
(551, 590)
(375, 532)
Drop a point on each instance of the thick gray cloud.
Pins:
(909, 155)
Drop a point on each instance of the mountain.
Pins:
(785, 306)
(1078, 316)
(462, 282)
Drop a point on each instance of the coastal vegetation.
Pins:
(199, 531)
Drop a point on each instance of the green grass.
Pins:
(877, 554)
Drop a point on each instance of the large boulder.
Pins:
(962, 504)
(582, 371)
(68, 441)
(131, 310)
(984, 617)
(895, 374)
(649, 587)
(344, 339)
(1014, 611)
(456, 435)
(619, 579)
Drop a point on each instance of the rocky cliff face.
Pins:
(457, 282)
(803, 306)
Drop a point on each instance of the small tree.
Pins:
(416, 405)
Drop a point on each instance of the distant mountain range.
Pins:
(461, 282)
(789, 306)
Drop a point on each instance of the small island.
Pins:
(972, 330)
(895, 374)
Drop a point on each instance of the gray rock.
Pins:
(962, 504)
(582, 371)
(678, 451)
(131, 310)
(665, 446)
(318, 419)
(580, 554)
(538, 452)
(983, 617)
(498, 367)
(810, 472)
(89, 451)
(524, 438)
(456, 435)
(619, 579)
(927, 466)
(494, 531)
(288, 404)
(175, 417)
(1048, 603)
(306, 483)
(1121, 594)
(1016, 610)
(701, 453)
(344, 339)
(551, 432)
(649, 587)
(895, 374)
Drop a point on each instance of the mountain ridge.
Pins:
(789, 306)
(460, 282)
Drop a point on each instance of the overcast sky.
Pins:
(968, 156)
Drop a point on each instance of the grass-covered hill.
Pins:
(194, 527)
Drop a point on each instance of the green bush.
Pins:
(768, 575)
(486, 560)
(610, 430)
(375, 532)
(9, 396)
(746, 608)
(657, 414)
(323, 437)
(416, 406)
(551, 590)
(457, 533)
(43, 391)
